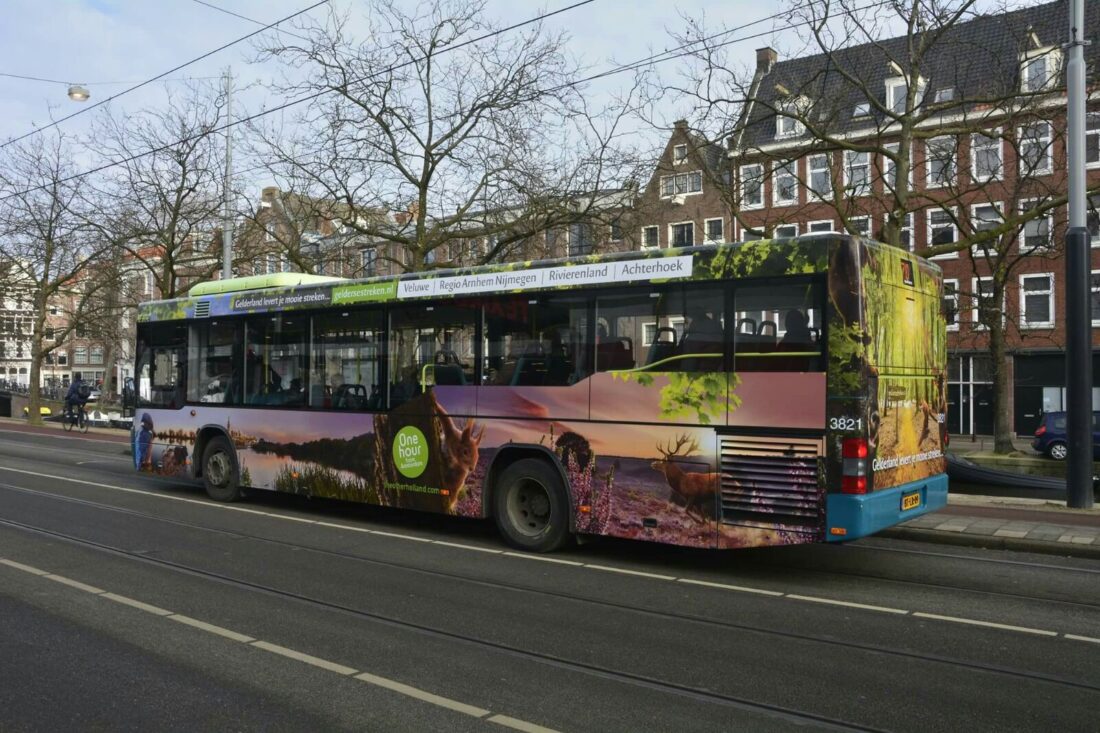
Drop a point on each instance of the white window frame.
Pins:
(1050, 300)
(688, 178)
(810, 170)
(811, 224)
(672, 240)
(889, 169)
(1025, 206)
(1052, 57)
(655, 228)
(1092, 130)
(975, 323)
(953, 326)
(1092, 209)
(929, 182)
(778, 226)
(611, 231)
(907, 226)
(670, 322)
(866, 220)
(1094, 289)
(864, 188)
(753, 233)
(992, 138)
(706, 230)
(368, 255)
(776, 168)
(679, 154)
(928, 233)
(1046, 140)
(894, 85)
(998, 207)
(783, 119)
(759, 177)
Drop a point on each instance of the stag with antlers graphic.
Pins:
(693, 490)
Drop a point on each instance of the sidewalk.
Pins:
(113, 435)
(1026, 525)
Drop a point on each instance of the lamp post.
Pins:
(79, 93)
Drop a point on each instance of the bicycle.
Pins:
(77, 417)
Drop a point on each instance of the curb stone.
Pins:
(989, 542)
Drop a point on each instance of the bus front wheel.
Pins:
(219, 470)
(531, 506)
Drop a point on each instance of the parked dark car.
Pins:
(1050, 436)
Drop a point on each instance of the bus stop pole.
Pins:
(1079, 493)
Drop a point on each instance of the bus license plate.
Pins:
(910, 501)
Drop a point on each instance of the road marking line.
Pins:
(344, 526)
(1075, 637)
(624, 571)
(21, 566)
(417, 693)
(307, 658)
(292, 518)
(414, 538)
(542, 558)
(725, 586)
(137, 604)
(849, 604)
(523, 725)
(469, 547)
(219, 630)
(990, 624)
(75, 584)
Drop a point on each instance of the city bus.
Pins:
(763, 393)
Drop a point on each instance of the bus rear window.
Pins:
(778, 328)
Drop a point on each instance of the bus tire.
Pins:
(531, 506)
(220, 475)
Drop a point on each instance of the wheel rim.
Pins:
(218, 468)
(528, 506)
(1058, 451)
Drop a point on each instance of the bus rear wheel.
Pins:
(531, 506)
(219, 470)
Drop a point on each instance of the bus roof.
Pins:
(295, 291)
(259, 282)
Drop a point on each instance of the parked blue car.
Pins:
(1050, 436)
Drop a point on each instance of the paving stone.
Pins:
(1017, 533)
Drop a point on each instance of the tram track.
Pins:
(710, 623)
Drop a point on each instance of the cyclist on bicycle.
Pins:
(77, 396)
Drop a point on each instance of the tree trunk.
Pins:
(34, 395)
(1002, 429)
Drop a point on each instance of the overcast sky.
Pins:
(103, 43)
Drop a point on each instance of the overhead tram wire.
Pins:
(661, 57)
(212, 6)
(162, 75)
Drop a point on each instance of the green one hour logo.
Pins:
(410, 452)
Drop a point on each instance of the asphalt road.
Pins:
(129, 602)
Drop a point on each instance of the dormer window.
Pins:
(897, 91)
(679, 154)
(947, 94)
(1039, 70)
(863, 109)
(787, 122)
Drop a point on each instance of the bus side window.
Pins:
(669, 329)
(214, 373)
(777, 328)
(346, 364)
(162, 366)
(431, 345)
(536, 341)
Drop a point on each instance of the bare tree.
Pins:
(46, 241)
(420, 135)
(892, 111)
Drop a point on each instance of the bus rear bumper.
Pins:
(850, 516)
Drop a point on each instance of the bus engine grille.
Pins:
(772, 482)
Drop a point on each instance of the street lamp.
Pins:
(79, 93)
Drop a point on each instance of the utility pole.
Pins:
(227, 217)
(1078, 306)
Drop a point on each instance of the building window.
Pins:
(786, 124)
(1092, 139)
(1039, 70)
(983, 303)
(942, 230)
(786, 230)
(785, 185)
(649, 330)
(820, 226)
(616, 231)
(650, 238)
(368, 258)
(751, 235)
(752, 186)
(905, 235)
(681, 235)
(890, 168)
(681, 184)
(1092, 219)
(1034, 148)
(951, 304)
(580, 240)
(1094, 281)
(1035, 234)
(941, 160)
(96, 355)
(80, 355)
(714, 231)
(53, 310)
(860, 225)
(983, 218)
(821, 179)
(857, 172)
(1037, 301)
(985, 156)
(897, 89)
(679, 154)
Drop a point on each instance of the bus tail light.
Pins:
(854, 474)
